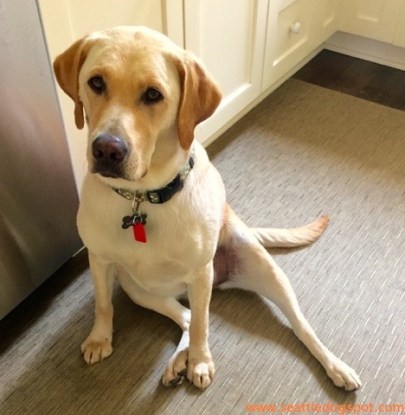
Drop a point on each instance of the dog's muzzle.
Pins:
(109, 154)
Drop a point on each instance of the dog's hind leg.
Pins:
(253, 269)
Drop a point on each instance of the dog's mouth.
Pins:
(112, 172)
(116, 172)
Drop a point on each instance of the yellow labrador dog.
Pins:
(153, 211)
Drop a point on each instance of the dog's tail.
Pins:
(294, 237)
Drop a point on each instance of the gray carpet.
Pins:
(304, 151)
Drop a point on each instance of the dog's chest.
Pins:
(178, 239)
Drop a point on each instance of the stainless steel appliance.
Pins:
(38, 198)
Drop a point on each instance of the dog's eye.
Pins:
(151, 96)
(97, 84)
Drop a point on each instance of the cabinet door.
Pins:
(374, 19)
(287, 38)
(324, 20)
(228, 35)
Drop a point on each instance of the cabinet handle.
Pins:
(295, 28)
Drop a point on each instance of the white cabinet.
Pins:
(228, 35)
(374, 19)
(294, 29)
(248, 45)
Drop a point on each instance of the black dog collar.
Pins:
(164, 194)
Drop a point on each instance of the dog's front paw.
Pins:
(343, 375)
(176, 369)
(94, 350)
(201, 370)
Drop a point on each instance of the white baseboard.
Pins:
(367, 49)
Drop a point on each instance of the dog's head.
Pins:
(142, 97)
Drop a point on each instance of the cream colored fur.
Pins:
(183, 233)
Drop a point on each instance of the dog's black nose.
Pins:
(109, 149)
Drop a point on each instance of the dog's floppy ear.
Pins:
(67, 67)
(200, 96)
